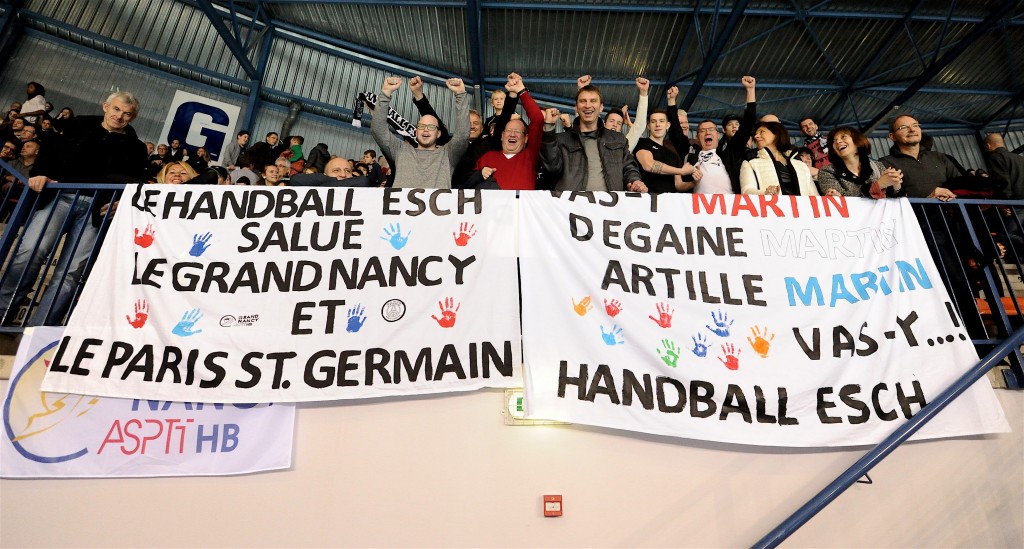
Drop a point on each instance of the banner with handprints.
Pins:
(220, 294)
(56, 435)
(767, 320)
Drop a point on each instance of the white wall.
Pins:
(445, 471)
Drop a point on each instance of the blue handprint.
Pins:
(722, 324)
(393, 234)
(612, 337)
(356, 319)
(187, 322)
(700, 345)
(199, 244)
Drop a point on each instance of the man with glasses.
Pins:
(514, 167)
(924, 172)
(428, 165)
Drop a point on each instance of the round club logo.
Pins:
(393, 310)
(37, 423)
(228, 320)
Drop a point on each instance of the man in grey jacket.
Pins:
(587, 157)
(428, 165)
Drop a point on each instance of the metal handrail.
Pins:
(886, 447)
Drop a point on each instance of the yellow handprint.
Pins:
(761, 341)
(583, 306)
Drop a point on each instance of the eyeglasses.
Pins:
(915, 125)
(511, 130)
(430, 127)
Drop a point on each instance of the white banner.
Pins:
(783, 321)
(50, 435)
(297, 294)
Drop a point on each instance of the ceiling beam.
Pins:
(233, 43)
(931, 72)
(716, 50)
(474, 21)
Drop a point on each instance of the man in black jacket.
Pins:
(92, 149)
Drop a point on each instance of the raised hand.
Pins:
(456, 85)
(672, 93)
(583, 81)
(613, 307)
(515, 83)
(761, 341)
(356, 319)
(583, 306)
(416, 87)
(141, 314)
(748, 82)
(722, 324)
(466, 231)
(625, 117)
(612, 337)
(670, 356)
(199, 244)
(391, 84)
(551, 115)
(566, 120)
(184, 327)
(643, 85)
(146, 238)
(393, 235)
(448, 310)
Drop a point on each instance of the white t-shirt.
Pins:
(37, 103)
(716, 178)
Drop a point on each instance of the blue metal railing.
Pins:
(886, 447)
(978, 247)
(20, 206)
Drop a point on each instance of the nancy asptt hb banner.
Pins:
(221, 294)
(784, 321)
(54, 435)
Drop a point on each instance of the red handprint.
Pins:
(447, 319)
(731, 359)
(664, 315)
(141, 314)
(613, 307)
(146, 238)
(466, 231)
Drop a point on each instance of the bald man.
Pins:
(1005, 165)
(429, 165)
(337, 173)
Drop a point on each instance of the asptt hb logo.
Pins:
(200, 125)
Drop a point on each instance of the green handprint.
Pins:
(671, 355)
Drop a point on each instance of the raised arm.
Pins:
(460, 133)
(640, 124)
(388, 142)
(550, 157)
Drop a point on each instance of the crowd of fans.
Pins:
(598, 150)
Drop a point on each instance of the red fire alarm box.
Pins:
(552, 506)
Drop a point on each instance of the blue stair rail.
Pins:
(886, 447)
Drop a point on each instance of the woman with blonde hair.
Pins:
(175, 173)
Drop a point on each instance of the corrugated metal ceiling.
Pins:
(840, 61)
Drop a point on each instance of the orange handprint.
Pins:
(761, 341)
(583, 306)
